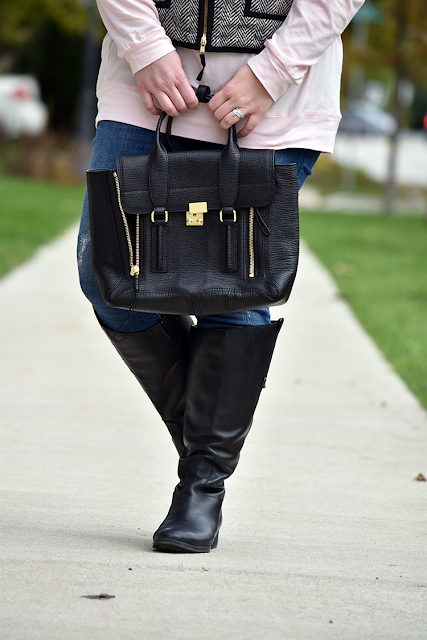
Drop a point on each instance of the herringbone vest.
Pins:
(222, 25)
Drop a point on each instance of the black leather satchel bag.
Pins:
(197, 232)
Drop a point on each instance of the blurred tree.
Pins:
(19, 19)
(55, 58)
(401, 42)
(46, 38)
(388, 42)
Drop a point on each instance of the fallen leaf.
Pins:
(420, 478)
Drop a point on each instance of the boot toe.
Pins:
(187, 534)
(175, 544)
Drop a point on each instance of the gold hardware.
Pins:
(195, 215)
(165, 220)
(134, 268)
(194, 219)
(251, 243)
(204, 39)
(136, 265)
(234, 215)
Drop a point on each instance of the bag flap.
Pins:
(193, 177)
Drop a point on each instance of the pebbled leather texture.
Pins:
(200, 270)
(229, 168)
(193, 176)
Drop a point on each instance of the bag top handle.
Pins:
(158, 175)
(158, 178)
(228, 167)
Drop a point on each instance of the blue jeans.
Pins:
(114, 139)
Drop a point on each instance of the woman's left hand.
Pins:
(244, 92)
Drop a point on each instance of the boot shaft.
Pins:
(158, 358)
(227, 370)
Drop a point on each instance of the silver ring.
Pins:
(238, 113)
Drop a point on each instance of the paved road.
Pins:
(324, 529)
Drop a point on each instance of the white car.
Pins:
(360, 117)
(22, 111)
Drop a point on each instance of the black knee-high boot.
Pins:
(158, 358)
(227, 370)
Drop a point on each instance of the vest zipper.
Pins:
(251, 243)
(204, 39)
(134, 266)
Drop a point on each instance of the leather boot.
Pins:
(227, 371)
(158, 358)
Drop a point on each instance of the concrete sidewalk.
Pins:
(324, 527)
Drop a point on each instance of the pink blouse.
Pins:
(300, 67)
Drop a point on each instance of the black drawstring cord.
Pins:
(203, 61)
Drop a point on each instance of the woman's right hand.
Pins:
(165, 81)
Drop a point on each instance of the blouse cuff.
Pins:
(155, 46)
(272, 75)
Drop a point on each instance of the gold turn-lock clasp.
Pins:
(195, 215)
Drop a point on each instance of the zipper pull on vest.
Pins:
(204, 40)
(203, 61)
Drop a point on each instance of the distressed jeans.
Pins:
(114, 139)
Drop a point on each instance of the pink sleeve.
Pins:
(136, 30)
(310, 28)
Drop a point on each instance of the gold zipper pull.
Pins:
(204, 40)
(134, 268)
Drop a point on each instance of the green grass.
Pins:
(380, 266)
(33, 213)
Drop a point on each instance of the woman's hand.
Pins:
(245, 92)
(165, 81)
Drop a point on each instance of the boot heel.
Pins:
(215, 542)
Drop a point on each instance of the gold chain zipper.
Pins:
(251, 243)
(204, 39)
(134, 266)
